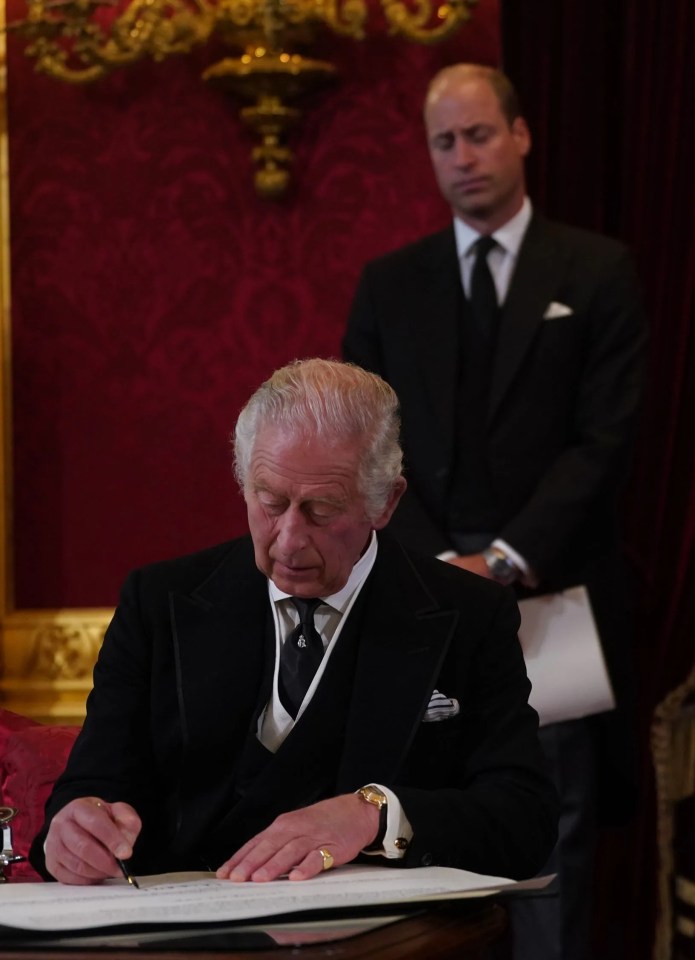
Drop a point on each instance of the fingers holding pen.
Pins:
(86, 836)
(127, 821)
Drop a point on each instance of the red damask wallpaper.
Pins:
(152, 290)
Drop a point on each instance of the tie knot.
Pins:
(483, 245)
(305, 607)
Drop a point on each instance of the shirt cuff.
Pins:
(398, 834)
(447, 555)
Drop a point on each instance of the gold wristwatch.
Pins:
(375, 796)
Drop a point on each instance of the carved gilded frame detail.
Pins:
(46, 656)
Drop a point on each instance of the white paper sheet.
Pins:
(188, 898)
(563, 655)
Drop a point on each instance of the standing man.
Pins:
(289, 701)
(515, 347)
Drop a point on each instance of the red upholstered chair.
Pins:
(32, 755)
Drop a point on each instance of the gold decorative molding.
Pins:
(64, 651)
(46, 656)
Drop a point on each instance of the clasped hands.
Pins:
(88, 834)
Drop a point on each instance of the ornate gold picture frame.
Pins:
(46, 656)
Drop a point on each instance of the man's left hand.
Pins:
(292, 844)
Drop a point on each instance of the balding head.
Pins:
(454, 76)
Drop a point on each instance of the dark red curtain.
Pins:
(609, 90)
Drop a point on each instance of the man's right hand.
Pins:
(86, 836)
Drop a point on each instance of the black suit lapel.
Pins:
(532, 288)
(404, 636)
(219, 636)
(437, 328)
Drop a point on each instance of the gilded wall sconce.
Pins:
(79, 41)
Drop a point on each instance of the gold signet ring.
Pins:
(327, 858)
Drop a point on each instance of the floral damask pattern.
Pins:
(152, 290)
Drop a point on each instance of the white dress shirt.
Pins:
(502, 259)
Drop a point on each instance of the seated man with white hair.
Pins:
(311, 693)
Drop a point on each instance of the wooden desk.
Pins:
(451, 932)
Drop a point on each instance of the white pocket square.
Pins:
(555, 310)
(440, 707)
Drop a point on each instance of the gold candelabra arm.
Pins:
(51, 59)
(346, 17)
(415, 22)
(161, 28)
(279, 20)
(47, 26)
(68, 44)
(245, 14)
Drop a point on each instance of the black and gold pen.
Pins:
(127, 874)
(121, 863)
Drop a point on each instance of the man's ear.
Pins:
(396, 493)
(522, 135)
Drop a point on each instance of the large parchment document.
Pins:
(563, 656)
(198, 898)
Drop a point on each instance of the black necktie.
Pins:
(483, 293)
(300, 656)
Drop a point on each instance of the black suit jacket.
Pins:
(180, 682)
(563, 399)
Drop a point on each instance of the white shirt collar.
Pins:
(509, 235)
(358, 575)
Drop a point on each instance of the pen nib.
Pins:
(128, 876)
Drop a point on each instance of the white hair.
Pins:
(333, 401)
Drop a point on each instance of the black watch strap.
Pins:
(377, 798)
